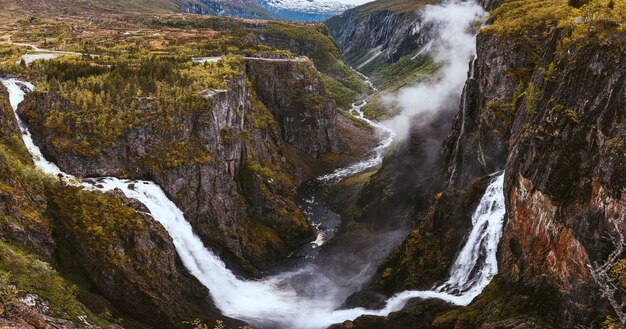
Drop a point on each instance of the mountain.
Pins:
(231, 8)
(19, 8)
(375, 36)
(542, 102)
(231, 140)
(170, 170)
(287, 10)
(304, 10)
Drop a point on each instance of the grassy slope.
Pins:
(397, 6)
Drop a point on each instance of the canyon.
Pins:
(477, 181)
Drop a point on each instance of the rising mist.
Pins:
(453, 46)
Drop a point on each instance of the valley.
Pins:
(403, 164)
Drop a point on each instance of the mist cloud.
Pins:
(453, 46)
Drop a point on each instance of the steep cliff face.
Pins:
(568, 192)
(384, 35)
(205, 160)
(127, 257)
(296, 95)
(473, 155)
(427, 254)
(121, 262)
(549, 110)
(544, 101)
(223, 161)
(21, 218)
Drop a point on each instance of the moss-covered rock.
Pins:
(296, 95)
(76, 257)
(425, 257)
(200, 153)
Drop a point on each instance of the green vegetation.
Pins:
(618, 273)
(407, 71)
(197, 324)
(9, 59)
(100, 101)
(397, 6)
(94, 219)
(342, 95)
(532, 97)
(28, 199)
(524, 20)
(276, 39)
(23, 191)
(501, 300)
(314, 41)
(178, 38)
(21, 272)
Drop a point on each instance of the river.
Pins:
(306, 296)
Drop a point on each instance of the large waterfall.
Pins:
(265, 301)
(274, 301)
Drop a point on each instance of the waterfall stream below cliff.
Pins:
(325, 221)
(269, 302)
(305, 296)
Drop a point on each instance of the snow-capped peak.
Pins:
(325, 7)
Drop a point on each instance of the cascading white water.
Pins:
(388, 135)
(452, 46)
(273, 301)
(265, 301)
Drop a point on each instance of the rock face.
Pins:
(121, 258)
(384, 34)
(22, 221)
(556, 124)
(471, 156)
(550, 113)
(570, 176)
(210, 191)
(295, 94)
(135, 265)
(427, 254)
(237, 190)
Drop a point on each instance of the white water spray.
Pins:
(266, 301)
(272, 301)
(453, 46)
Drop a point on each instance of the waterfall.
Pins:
(472, 76)
(266, 302)
(473, 267)
(275, 301)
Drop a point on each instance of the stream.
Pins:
(307, 296)
(325, 221)
(273, 301)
